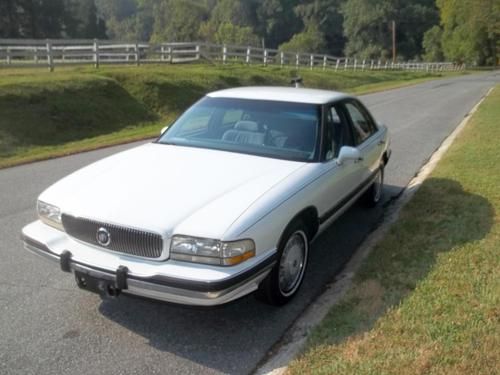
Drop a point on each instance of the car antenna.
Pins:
(298, 82)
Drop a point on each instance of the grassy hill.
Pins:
(46, 114)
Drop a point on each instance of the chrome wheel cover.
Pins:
(292, 263)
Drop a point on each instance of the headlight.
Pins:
(204, 250)
(49, 214)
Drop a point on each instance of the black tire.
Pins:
(373, 195)
(271, 289)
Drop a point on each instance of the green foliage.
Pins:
(471, 30)
(311, 40)
(227, 33)
(127, 20)
(327, 17)
(237, 12)
(353, 28)
(229, 23)
(276, 21)
(178, 20)
(432, 44)
(367, 27)
(50, 19)
(32, 19)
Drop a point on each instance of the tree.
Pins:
(310, 40)
(34, 18)
(236, 12)
(432, 44)
(178, 20)
(471, 30)
(227, 33)
(230, 22)
(129, 20)
(327, 17)
(367, 26)
(276, 21)
(9, 19)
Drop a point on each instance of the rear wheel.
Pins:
(283, 282)
(374, 193)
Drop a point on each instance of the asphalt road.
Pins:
(48, 326)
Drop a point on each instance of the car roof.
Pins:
(281, 94)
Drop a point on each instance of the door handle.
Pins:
(382, 142)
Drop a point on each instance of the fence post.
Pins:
(355, 64)
(311, 61)
(363, 66)
(162, 52)
(170, 55)
(197, 49)
(337, 64)
(371, 64)
(35, 56)
(50, 58)
(224, 54)
(346, 63)
(282, 58)
(137, 54)
(96, 53)
(297, 60)
(264, 58)
(8, 56)
(249, 51)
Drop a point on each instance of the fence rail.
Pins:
(58, 52)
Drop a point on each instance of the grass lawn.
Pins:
(46, 114)
(427, 299)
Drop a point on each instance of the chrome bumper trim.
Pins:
(172, 289)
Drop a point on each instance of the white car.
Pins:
(224, 203)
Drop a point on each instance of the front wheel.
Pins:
(284, 280)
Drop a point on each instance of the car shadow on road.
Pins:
(233, 338)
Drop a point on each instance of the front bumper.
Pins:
(229, 285)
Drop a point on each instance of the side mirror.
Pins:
(348, 153)
(163, 130)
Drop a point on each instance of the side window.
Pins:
(362, 124)
(334, 133)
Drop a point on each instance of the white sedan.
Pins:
(224, 203)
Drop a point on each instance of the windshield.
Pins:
(259, 127)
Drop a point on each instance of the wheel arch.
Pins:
(309, 216)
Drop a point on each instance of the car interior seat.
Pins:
(245, 132)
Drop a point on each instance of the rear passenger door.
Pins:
(365, 140)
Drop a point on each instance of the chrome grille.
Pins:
(124, 240)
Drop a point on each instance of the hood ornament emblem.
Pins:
(103, 237)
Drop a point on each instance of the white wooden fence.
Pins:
(51, 53)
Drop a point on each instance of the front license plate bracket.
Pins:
(104, 287)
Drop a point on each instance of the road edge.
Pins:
(294, 340)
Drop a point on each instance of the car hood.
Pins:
(169, 189)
